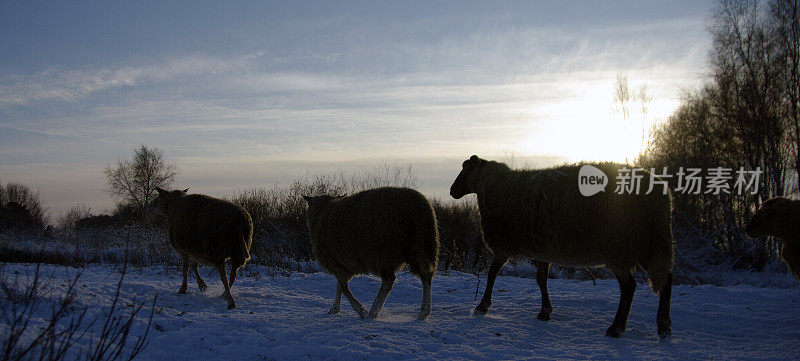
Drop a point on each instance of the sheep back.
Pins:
(210, 230)
(376, 232)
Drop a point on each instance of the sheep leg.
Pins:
(234, 270)
(627, 287)
(542, 269)
(201, 283)
(425, 309)
(663, 320)
(353, 301)
(224, 278)
(337, 301)
(184, 272)
(386, 286)
(494, 269)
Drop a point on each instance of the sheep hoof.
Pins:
(613, 331)
(183, 290)
(483, 308)
(231, 306)
(423, 316)
(664, 332)
(202, 286)
(333, 311)
(543, 316)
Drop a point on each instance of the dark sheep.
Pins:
(780, 217)
(206, 230)
(375, 232)
(541, 214)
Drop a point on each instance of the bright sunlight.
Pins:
(590, 125)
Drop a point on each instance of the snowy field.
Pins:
(285, 318)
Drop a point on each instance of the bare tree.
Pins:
(623, 96)
(745, 116)
(134, 181)
(745, 62)
(645, 97)
(786, 28)
(626, 100)
(27, 199)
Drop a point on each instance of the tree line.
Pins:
(746, 114)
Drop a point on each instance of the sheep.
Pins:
(778, 217)
(206, 230)
(375, 232)
(540, 214)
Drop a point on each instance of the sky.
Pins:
(256, 93)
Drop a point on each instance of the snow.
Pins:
(285, 318)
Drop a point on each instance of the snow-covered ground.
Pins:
(285, 318)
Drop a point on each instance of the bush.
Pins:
(68, 222)
(460, 236)
(66, 325)
(21, 208)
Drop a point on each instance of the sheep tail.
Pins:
(246, 238)
(427, 247)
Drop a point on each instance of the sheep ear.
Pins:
(160, 191)
(475, 159)
(185, 190)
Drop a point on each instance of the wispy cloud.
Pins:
(488, 54)
(72, 85)
(59, 134)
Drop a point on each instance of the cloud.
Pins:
(59, 134)
(273, 115)
(72, 85)
(448, 49)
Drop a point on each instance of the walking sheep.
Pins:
(209, 231)
(542, 215)
(375, 232)
(778, 217)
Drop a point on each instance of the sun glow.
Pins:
(588, 126)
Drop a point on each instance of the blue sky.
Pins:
(247, 94)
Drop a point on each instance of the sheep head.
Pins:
(467, 180)
(317, 202)
(161, 204)
(771, 219)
